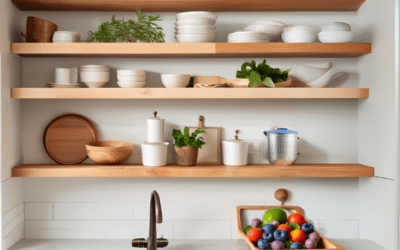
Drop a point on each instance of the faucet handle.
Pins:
(161, 242)
(140, 243)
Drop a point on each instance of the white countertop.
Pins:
(347, 244)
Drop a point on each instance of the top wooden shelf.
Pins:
(189, 5)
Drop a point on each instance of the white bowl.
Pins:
(336, 26)
(336, 36)
(248, 41)
(267, 22)
(154, 154)
(196, 15)
(273, 35)
(195, 21)
(175, 80)
(95, 84)
(131, 78)
(264, 27)
(94, 70)
(300, 27)
(195, 32)
(196, 38)
(129, 84)
(299, 36)
(323, 81)
(196, 27)
(92, 76)
(94, 67)
(130, 72)
(308, 74)
(70, 33)
(65, 41)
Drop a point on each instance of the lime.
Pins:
(275, 214)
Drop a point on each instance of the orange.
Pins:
(255, 234)
(297, 218)
(286, 227)
(297, 235)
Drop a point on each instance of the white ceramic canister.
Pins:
(154, 154)
(235, 151)
(155, 129)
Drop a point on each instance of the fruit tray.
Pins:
(325, 242)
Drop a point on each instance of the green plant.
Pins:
(185, 139)
(262, 73)
(191, 83)
(144, 29)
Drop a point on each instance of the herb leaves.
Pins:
(187, 140)
(262, 73)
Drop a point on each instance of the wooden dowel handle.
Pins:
(201, 121)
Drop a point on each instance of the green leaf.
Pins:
(266, 73)
(247, 228)
(268, 82)
(253, 65)
(287, 244)
(255, 79)
(293, 225)
(262, 224)
(187, 140)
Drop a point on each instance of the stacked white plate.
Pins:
(249, 37)
(95, 76)
(273, 28)
(196, 27)
(336, 32)
(131, 78)
(66, 37)
(299, 34)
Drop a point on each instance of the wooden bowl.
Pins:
(39, 30)
(109, 152)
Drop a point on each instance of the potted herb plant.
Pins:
(187, 146)
(144, 29)
(262, 74)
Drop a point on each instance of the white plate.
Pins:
(195, 27)
(248, 41)
(55, 85)
(195, 38)
(266, 28)
(197, 21)
(130, 72)
(196, 14)
(267, 22)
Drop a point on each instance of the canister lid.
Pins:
(236, 140)
(154, 117)
(281, 131)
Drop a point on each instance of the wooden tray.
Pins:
(326, 243)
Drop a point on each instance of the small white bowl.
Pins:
(336, 36)
(195, 32)
(94, 70)
(273, 35)
(336, 26)
(95, 84)
(92, 76)
(195, 21)
(129, 72)
(131, 78)
(299, 36)
(175, 80)
(94, 67)
(264, 27)
(267, 22)
(196, 38)
(196, 15)
(127, 84)
(300, 27)
(196, 27)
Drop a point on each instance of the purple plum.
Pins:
(275, 223)
(314, 236)
(278, 245)
(255, 222)
(311, 244)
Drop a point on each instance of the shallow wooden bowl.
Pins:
(325, 242)
(109, 152)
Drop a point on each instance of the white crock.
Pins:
(235, 152)
(154, 154)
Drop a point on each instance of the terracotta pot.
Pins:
(186, 156)
(39, 30)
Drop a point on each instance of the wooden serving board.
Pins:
(210, 153)
(326, 243)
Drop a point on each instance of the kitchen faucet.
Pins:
(155, 217)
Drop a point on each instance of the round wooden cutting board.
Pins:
(66, 136)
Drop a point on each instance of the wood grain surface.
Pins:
(249, 171)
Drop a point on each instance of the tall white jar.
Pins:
(155, 129)
(235, 151)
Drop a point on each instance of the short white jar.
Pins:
(154, 154)
(235, 152)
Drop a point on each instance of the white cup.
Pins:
(66, 75)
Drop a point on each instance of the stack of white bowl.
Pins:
(95, 76)
(299, 34)
(273, 28)
(66, 37)
(131, 78)
(196, 27)
(336, 32)
(249, 37)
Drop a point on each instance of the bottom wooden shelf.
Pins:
(222, 171)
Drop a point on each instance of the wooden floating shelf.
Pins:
(191, 49)
(189, 5)
(189, 93)
(249, 171)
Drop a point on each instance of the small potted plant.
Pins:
(187, 146)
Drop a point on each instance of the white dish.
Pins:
(94, 67)
(299, 36)
(301, 27)
(195, 21)
(70, 33)
(65, 41)
(175, 80)
(308, 74)
(89, 76)
(197, 15)
(196, 27)
(194, 32)
(274, 35)
(131, 78)
(264, 27)
(246, 41)
(323, 81)
(336, 36)
(154, 154)
(127, 84)
(95, 84)
(95, 70)
(336, 26)
(196, 38)
(267, 22)
(130, 72)
(55, 85)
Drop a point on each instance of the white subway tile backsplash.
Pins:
(8, 216)
(39, 211)
(93, 211)
(19, 209)
(340, 229)
(196, 229)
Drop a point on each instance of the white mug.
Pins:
(66, 75)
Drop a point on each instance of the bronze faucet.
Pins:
(152, 243)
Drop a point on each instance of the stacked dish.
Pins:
(336, 32)
(299, 34)
(249, 37)
(273, 28)
(66, 37)
(95, 76)
(196, 27)
(131, 78)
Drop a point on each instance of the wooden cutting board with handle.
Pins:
(210, 153)
(236, 82)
